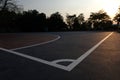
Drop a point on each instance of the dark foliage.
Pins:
(56, 22)
(101, 21)
(117, 19)
(7, 21)
(30, 21)
(33, 21)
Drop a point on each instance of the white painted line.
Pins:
(58, 37)
(54, 63)
(36, 59)
(63, 60)
(81, 58)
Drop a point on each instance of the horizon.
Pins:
(72, 6)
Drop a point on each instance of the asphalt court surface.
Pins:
(53, 61)
(12, 40)
(64, 48)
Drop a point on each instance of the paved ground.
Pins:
(12, 40)
(75, 56)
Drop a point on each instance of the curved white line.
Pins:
(53, 63)
(58, 37)
(62, 60)
(36, 59)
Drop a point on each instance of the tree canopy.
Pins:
(9, 5)
(99, 16)
(100, 20)
(56, 22)
(33, 20)
(117, 16)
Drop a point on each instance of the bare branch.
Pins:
(9, 5)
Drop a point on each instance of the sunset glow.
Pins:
(110, 6)
(72, 6)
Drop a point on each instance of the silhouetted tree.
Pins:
(81, 21)
(81, 18)
(8, 15)
(42, 22)
(7, 21)
(70, 20)
(99, 19)
(32, 20)
(76, 24)
(117, 19)
(9, 5)
(56, 22)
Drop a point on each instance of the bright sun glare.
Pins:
(110, 6)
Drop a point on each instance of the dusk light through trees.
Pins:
(13, 20)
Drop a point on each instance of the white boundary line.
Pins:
(36, 59)
(58, 37)
(54, 63)
(81, 58)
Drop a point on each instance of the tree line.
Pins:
(12, 19)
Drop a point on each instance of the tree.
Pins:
(98, 18)
(7, 21)
(70, 20)
(117, 17)
(81, 18)
(75, 22)
(41, 22)
(9, 5)
(32, 20)
(81, 21)
(56, 22)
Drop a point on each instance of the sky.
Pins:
(72, 6)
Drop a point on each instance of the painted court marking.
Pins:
(55, 62)
(58, 37)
